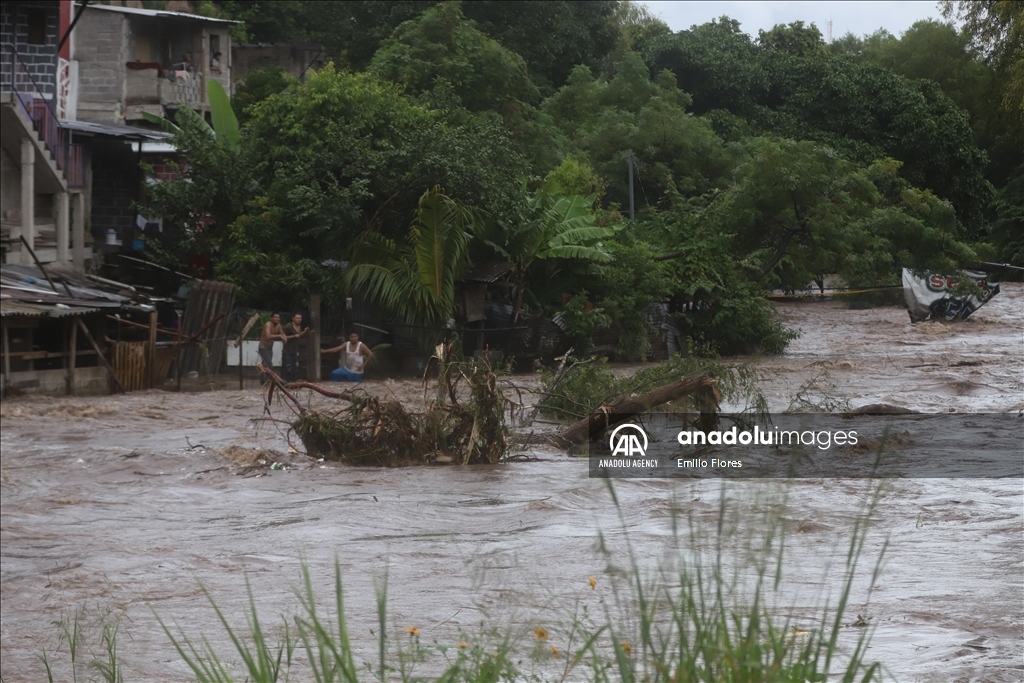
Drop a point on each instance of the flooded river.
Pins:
(124, 504)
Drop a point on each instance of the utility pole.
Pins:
(631, 187)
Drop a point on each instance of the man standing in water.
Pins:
(293, 332)
(354, 357)
(270, 333)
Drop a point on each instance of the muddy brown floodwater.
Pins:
(106, 508)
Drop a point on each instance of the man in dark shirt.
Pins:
(290, 358)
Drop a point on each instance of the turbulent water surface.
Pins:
(107, 509)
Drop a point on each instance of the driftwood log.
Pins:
(624, 407)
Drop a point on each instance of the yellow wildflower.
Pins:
(593, 583)
(412, 631)
(463, 644)
(626, 648)
(540, 633)
(554, 652)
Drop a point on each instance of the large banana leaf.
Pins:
(577, 252)
(187, 116)
(224, 121)
(166, 125)
(440, 241)
(416, 282)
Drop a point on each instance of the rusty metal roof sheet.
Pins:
(31, 310)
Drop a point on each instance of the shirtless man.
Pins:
(354, 357)
(270, 333)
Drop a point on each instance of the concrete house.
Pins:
(42, 171)
(137, 60)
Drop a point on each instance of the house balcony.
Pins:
(151, 88)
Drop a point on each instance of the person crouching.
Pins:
(354, 357)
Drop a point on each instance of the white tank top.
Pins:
(353, 360)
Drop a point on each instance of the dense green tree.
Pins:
(442, 49)
(259, 84)
(637, 28)
(715, 63)
(1008, 227)
(343, 154)
(866, 112)
(268, 21)
(606, 118)
(351, 31)
(799, 211)
(199, 203)
(551, 37)
(795, 39)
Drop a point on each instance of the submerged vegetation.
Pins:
(719, 607)
(450, 429)
(580, 386)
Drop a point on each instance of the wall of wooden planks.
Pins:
(130, 364)
(206, 300)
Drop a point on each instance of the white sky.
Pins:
(859, 18)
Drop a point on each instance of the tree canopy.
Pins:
(444, 133)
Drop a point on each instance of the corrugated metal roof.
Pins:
(115, 130)
(159, 13)
(27, 310)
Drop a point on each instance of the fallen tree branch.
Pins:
(343, 395)
(624, 407)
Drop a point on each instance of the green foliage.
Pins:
(790, 86)
(441, 46)
(795, 39)
(259, 84)
(551, 37)
(416, 283)
(583, 387)
(937, 52)
(627, 287)
(575, 177)
(586, 384)
(580, 322)
(202, 200)
(716, 63)
(607, 118)
(1008, 227)
(553, 229)
(225, 123)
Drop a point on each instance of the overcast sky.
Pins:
(859, 18)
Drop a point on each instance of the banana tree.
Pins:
(225, 123)
(555, 227)
(415, 282)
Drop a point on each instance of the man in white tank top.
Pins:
(354, 357)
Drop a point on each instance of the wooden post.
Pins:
(78, 232)
(7, 355)
(177, 355)
(314, 323)
(241, 348)
(103, 359)
(151, 360)
(72, 359)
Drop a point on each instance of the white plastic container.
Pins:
(112, 236)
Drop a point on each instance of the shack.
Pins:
(56, 326)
